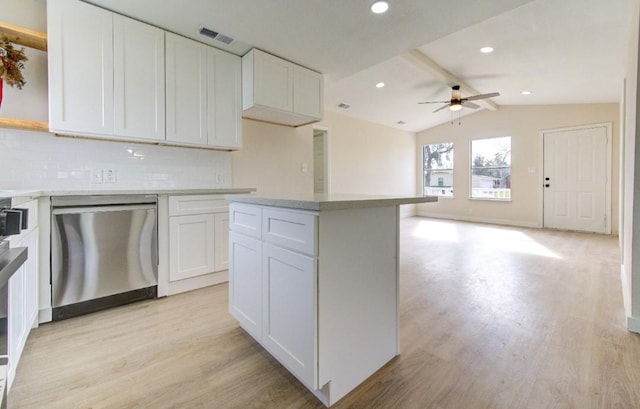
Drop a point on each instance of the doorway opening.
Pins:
(320, 160)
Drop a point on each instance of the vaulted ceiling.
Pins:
(569, 51)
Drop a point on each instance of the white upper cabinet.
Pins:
(273, 81)
(186, 69)
(307, 92)
(279, 91)
(80, 51)
(203, 94)
(109, 77)
(224, 99)
(106, 73)
(138, 79)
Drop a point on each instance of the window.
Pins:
(438, 169)
(491, 168)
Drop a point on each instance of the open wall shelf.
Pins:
(32, 39)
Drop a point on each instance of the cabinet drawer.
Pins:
(246, 219)
(293, 230)
(197, 204)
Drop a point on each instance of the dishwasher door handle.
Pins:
(96, 209)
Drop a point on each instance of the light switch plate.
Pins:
(96, 176)
(110, 176)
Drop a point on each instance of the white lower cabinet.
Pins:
(289, 309)
(273, 284)
(192, 246)
(245, 285)
(318, 290)
(23, 292)
(198, 239)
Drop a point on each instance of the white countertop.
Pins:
(34, 193)
(330, 202)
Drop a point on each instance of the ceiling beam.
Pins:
(422, 61)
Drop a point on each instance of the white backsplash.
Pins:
(39, 160)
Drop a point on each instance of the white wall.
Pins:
(41, 160)
(364, 158)
(523, 124)
(271, 159)
(630, 269)
(369, 158)
(31, 102)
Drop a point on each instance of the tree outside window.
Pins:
(491, 168)
(438, 169)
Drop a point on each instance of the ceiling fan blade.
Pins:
(471, 105)
(434, 102)
(481, 96)
(441, 108)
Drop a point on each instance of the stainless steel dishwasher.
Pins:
(104, 252)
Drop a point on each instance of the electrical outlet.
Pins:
(110, 176)
(96, 176)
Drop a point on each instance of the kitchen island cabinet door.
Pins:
(80, 54)
(289, 310)
(138, 79)
(245, 282)
(186, 88)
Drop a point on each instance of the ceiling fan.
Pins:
(457, 102)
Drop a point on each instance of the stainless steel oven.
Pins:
(104, 252)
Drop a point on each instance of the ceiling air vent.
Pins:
(344, 106)
(216, 36)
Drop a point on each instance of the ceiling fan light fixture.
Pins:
(455, 107)
(380, 7)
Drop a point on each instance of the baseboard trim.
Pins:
(189, 284)
(408, 210)
(503, 222)
(626, 291)
(633, 324)
(45, 315)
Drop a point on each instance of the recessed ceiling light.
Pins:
(380, 7)
(525, 92)
(486, 50)
(380, 85)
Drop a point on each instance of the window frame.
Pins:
(451, 152)
(509, 196)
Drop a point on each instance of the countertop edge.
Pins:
(317, 205)
(10, 262)
(36, 193)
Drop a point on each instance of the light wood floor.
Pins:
(491, 317)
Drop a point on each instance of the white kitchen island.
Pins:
(315, 282)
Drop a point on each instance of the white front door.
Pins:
(577, 166)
